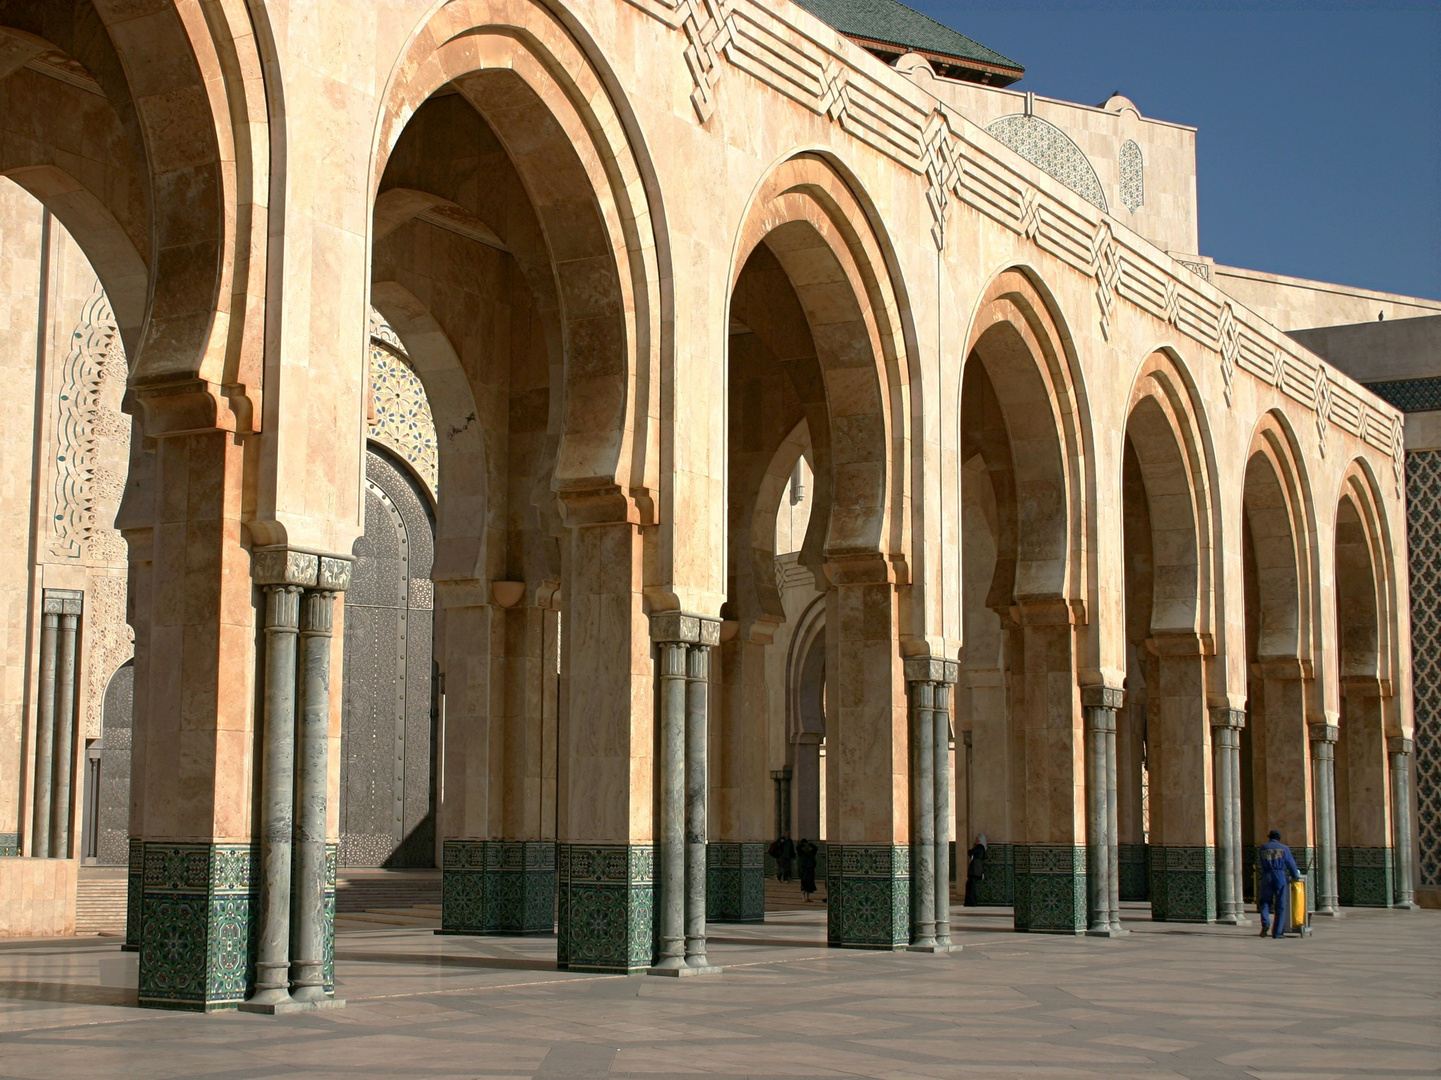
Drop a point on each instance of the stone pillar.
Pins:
(1398, 751)
(65, 678)
(782, 780)
(277, 778)
(1323, 783)
(941, 731)
(1100, 704)
(683, 644)
(39, 845)
(1113, 829)
(930, 681)
(1226, 725)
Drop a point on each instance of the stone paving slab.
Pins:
(1360, 999)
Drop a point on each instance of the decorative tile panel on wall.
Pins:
(868, 896)
(606, 907)
(1410, 395)
(735, 881)
(1135, 867)
(1050, 888)
(998, 886)
(1423, 523)
(1133, 176)
(498, 886)
(1052, 151)
(400, 408)
(9, 845)
(1364, 876)
(1183, 883)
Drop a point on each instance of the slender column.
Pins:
(670, 881)
(782, 778)
(317, 613)
(1399, 752)
(1323, 779)
(1226, 725)
(1099, 721)
(45, 729)
(1113, 834)
(923, 816)
(64, 752)
(277, 780)
(941, 730)
(697, 791)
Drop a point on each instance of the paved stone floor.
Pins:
(1359, 999)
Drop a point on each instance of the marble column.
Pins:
(1323, 782)
(64, 769)
(45, 730)
(1226, 725)
(941, 732)
(923, 815)
(1399, 753)
(697, 793)
(277, 774)
(1113, 831)
(1099, 704)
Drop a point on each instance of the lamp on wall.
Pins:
(507, 593)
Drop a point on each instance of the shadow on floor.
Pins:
(68, 994)
(437, 960)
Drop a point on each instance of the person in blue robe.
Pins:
(1276, 871)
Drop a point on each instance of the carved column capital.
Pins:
(1102, 697)
(683, 628)
(1223, 716)
(932, 669)
(1323, 733)
(1399, 745)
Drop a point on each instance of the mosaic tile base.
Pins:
(9, 845)
(1183, 883)
(1364, 876)
(498, 886)
(1135, 870)
(998, 886)
(735, 881)
(868, 892)
(606, 909)
(134, 892)
(1050, 888)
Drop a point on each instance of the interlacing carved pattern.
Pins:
(707, 34)
(1133, 176)
(402, 420)
(891, 117)
(1052, 151)
(1230, 345)
(1423, 517)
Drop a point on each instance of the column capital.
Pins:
(283, 566)
(1398, 744)
(1323, 733)
(934, 669)
(1223, 716)
(678, 626)
(1102, 697)
(61, 602)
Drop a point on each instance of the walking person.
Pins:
(1277, 869)
(806, 852)
(975, 869)
(783, 851)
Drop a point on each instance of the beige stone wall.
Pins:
(37, 897)
(1291, 303)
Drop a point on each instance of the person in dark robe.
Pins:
(784, 853)
(1277, 870)
(806, 852)
(975, 869)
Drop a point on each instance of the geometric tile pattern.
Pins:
(868, 893)
(1133, 176)
(9, 845)
(134, 892)
(606, 907)
(1135, 872)
(403, 420)
(1364, 876)
(997, 887)
(1183, 883)
(1052, 151)
(1050, 888)
(1423, 521)
(197, 935)
(498, 886)
(1410, 395)
(735, 881)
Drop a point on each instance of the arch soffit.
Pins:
(1166, 423)
(1043, 400)
(1276, 498)
(764, 509)
(607, 277)
(1359, 489)
(807, 213)
(463, 462)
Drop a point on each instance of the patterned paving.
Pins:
(1356, 1000)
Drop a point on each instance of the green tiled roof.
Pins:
(896, 24)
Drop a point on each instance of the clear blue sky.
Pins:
(1319, 149)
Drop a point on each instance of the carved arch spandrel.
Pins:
(521, 67)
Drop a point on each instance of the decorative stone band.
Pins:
(606, 909)
(498, 886)
(868, 893)
(736, 881)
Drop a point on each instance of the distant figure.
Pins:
(1277, 870)
(975, 868)
(783, 851)
(806, 852)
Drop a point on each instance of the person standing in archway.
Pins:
(975, 869)
(806, 852)
(783, 851)
(1277, 870)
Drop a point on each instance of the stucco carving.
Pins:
(1053, 152)
(400, 419)
(1133, 176)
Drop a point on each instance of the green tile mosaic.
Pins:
(1050, 888)
(606, 907)
(735, 881)
(998, 886)
(1183, 883)
(9, 845)
(1135, 870)
(498, 886)
(134, 893)
(868, 893)
(1365, 876)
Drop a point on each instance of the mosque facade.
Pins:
(572, 444)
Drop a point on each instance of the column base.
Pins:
(1234, 920)
(951, 948)
(1329, 913)
(735, 881)
(685, 972)
(281, 1008)
(606, 907)
(868, 894)
(497, 887)
(1105, 932)
(1406, 905)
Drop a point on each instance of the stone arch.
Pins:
(815, 225)
(1277, 510)
(806, 719)
(464, 472)
(542, 94)
(768, 496)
